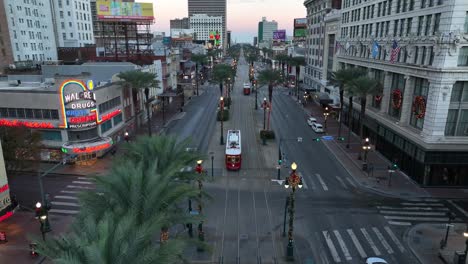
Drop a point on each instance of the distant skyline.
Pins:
(242, 26)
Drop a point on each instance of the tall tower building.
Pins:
(179, 23)
(202, 25)
(210, 8)
(265, 32)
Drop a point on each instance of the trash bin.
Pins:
(459, 257)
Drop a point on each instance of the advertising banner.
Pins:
(299, 33)
(123, 11)
(167, 41)
(300, 22)
(279, 35)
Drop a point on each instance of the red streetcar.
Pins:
(233, 150)
(247, 88)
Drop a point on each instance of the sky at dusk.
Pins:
(242, 15)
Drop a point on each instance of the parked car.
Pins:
(311, 120)
(374, 260)
(317, 128)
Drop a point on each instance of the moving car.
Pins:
(317, 128)
(311, 120)
(374, 260)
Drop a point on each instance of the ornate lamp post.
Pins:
(228, 91)
(221, 110)
(366, 147)
(294, 181)
(199, 170)
(264, 106)
(256, 93)
(42, 215)
(326, 113)
(465, 234)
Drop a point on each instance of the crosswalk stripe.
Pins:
(423, 204)
(413, 208)
(312, 183)
(304, 183)
(341, 181)
(414, 218)
(65, 197)
(84, 178)
(399, 223)
(351, 182)
(358, 246)
(342, 245)
(458, 207)
(64, 203)
(79, 187)
(61, 211)
(370, 241)
(82, 182)
(72, 192)
(324, 186)
(383, 241)
(412, 213)
(331, 247)
(395, 239)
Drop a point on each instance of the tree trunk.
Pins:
(270, 92)
(363, 112)
(350, 113)
(196, 76)
(341, 108)
(221, 88)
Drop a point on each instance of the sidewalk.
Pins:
(377, 178)
(424, 242)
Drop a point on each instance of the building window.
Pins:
(398, 87)
(459, 92)
(463, 57)
(117, 119)
(51, 135)
(436, 24)
(457, 123)
(61, 14)
(465, 26)
(423, 3)
(106, 126)
(428, 25)
(408, 26)
(421, 88)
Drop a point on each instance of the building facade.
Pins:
(265, 32)
(31, 30)
(215, 8)
(6, 52)
(315, 41)
(180, 23)
(418, 51)
(203, 26)
(330, 63)
(73, 23)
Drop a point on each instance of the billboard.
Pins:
(299, 33)
(279, 35)
(300, 22)
(123, 11)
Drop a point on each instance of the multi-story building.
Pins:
(418, 50)
(6, 52)
(265, 32)
(315, 40)
(215, 8)
(31, 31)
(330, 64)
(180, 23)
(73, 23)
(204, 25)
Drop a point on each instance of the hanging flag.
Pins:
(375, 50)
(395, 52)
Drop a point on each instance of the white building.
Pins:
(202, 25)
(31, 30)
(72, 19)
(421, 116)
(265, 32)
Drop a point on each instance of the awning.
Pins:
(324, 99)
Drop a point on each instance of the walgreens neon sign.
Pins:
(19, 123)
(92, 148)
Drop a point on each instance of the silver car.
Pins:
(317, 128)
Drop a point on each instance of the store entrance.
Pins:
(86, 159)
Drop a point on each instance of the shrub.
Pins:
(267, 134)
(225, 115)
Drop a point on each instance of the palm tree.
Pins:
(362, 87)
(283, 59)
(251, 58)
(198, 59)
(270, 77)
(137, 81)
(221, 73)
(297, 62)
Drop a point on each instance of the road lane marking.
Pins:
(342, 245)
(458, 208)
(382, 240)
(79, 187)
(395, 239)
(71, 192)
(60, 211)
(82, 182)
(64, 203)
(312, 183)
(423, 204)
(356, 243)
(370, 241)
(413, 208)
(409, 218)
(399, 223)
(84, 178)
(351, 182)
(324, 186)
(65, 197)
(412, 213)
(331, 247)
(342, 182)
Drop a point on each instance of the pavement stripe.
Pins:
(395, 239)
(324, 186)
(331, 247)
(458, 208)
(370, 241)
(64, 203)
(312, 183)
(84, 178)
(342, 182)
(413, 208)
(409, 218)
(79, 187)
(60, 211)
(72, 192)
(399, 223)
(358, 246)
(82, 182)
(342, 245)
(351, 182)
(413, 213)
(65, 197)
(304, 183)
(423, 204)
(383, 241)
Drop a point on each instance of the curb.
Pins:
(406, 237)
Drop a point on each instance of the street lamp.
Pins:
(451, 217)
(126, 136)
(292, 181)
(42, 215)
(256, 93)
(465, 234)
(325, 115)
(265, 106)
(366, 147)
(199, 170)
(221, 111)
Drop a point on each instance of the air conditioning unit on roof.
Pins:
(50, 80)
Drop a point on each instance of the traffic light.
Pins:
(280, 161)
(340, 138)
(316, 139)
(394, 166)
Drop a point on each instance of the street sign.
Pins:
(278, 167)
(194, 212)
(327, 137)
(391, 171)
(299, 139)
